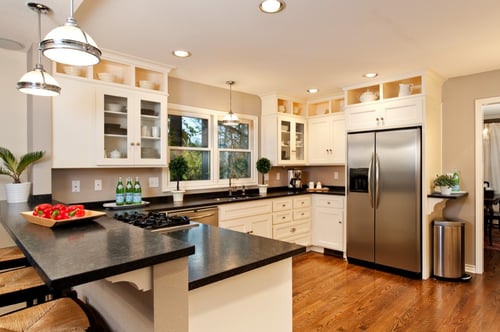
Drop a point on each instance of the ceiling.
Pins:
(326, 44)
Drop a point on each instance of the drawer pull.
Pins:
(329, 203)
(283, 218)
(283, 205)
(293, 230)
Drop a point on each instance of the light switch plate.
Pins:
(154, 182)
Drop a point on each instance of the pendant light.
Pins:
(70, 45)
(230, 119)
(38, 82)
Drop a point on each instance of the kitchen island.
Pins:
(231, 281)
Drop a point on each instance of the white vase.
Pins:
(262, 189)
(18, 192)
(445, 190)
(178, 195)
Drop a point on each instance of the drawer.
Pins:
(282, 204)
(302, 202)
(246, 209)
(282, 217)
(302, 214)
(281, 231)
(329, 201)
(301, 239)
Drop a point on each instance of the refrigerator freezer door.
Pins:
(398, 214)
(360, 225)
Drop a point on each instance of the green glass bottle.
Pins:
(120, 193)
(129, 191)
(137, 191)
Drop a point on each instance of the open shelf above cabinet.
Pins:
(120, 70)
(325, 106)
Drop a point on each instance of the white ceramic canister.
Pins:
(405, 89)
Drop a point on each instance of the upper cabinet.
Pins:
(284, 132)
(113, 113)
(130, 128)
(389, 104)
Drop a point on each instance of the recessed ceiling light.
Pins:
(313, 90)
(370, 75)
(181, 53)
(271, 6)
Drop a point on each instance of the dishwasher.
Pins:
(206, 215)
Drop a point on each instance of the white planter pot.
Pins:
(178, 195)
(445, 190)
(18, 192)
(262, 189)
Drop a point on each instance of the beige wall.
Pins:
(13, 114)
(459, 95)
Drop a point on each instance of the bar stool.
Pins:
(19, 284)
(12, 257)
(64, 314)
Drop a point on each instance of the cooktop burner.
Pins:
(152, 220)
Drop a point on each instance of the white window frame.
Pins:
(213, 182)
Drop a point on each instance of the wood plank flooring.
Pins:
(331, 295)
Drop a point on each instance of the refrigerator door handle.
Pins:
(370, 196)
(377, 174)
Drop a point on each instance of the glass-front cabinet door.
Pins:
(130, 128)
(292, 144)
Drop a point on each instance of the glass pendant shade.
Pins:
(39, 83)
(230, 119)
(70, 45)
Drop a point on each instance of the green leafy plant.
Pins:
(263, 167)
(14, 167)
(178, 168)
(444, 180)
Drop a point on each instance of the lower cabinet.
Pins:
(328, 222)
(292, 219)
(248, 217)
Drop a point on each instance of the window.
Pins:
(214, 152)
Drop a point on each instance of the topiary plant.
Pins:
(263, 167)
(178, 168)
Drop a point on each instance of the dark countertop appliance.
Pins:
(295, 179)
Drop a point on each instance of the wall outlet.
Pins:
(97, 185)
(75, 186)
(335, 175)
(154, 182)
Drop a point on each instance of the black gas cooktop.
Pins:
(151, 220)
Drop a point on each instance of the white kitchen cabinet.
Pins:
(131, 128)
(73, 125)
(292, 219)
(284, 139)
(328, 222)
(327, 140)
(253, 217)
(283, 134)
(391, 110)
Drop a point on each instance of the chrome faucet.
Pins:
(230, 187)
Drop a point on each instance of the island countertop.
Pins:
(85, 251)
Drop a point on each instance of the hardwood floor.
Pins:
(331, 295)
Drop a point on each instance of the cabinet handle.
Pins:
(293, 229)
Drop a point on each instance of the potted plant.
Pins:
(445, 182)
(178, 167)
(263, 167)
(17, 192)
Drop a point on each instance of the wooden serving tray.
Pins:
(89, 214)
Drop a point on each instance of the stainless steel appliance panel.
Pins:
(398, 208)
(360, 212)
(384, 198)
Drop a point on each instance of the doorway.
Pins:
(481, 105)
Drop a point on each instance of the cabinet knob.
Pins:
(138, 143)
(283, 218)
(132, 143)
(328, 203)
(249, 232)
(382, 118)
(340, 221)
(293, 230)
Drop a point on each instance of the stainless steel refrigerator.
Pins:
(384, 198)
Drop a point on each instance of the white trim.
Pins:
(213, 116)
(478, 160)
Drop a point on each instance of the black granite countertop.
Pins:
(85, 251)
(222, 253)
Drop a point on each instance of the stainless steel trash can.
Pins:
(449, 250)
